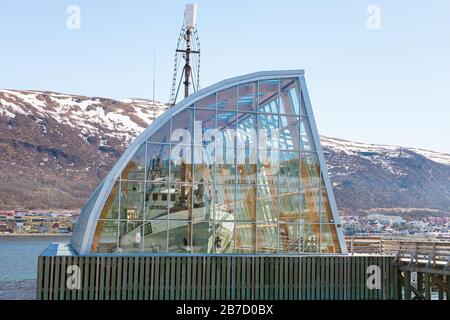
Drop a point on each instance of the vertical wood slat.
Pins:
(217, 277)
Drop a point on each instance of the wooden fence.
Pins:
(216, 277)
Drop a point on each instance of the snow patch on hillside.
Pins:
(381, 154)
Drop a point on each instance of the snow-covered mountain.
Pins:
(389, 179)
(104, 118)
(57, 147)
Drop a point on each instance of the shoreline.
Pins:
(41, 235)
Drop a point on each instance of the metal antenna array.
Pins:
(188, 49)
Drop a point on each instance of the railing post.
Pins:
(351, 245)
(407, 284)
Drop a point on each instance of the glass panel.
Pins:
(208, 102)
(130, 236)
(268, 166)
(246, 173)
(326, 215)
(132, 200)
(268, 135)
(162, 135)
(329, 241)
(208, 122)
(158, 158)
(245, 237)
(289, 202)
(226, 99)
(246, 203)
(268, 98)
(180, 201)
(135, 169)
(303, 111)
(203, 202)
(111, 208)
(310, 242)
(311, 207)
(289, 168)
(268, 122)
(224, 200)
(289, 238)
(266, 206)
(310, 170)
(226, 120)
(246, 97)
(290, 92)
(156, 201)
(225, 155)
(203, 173)
(155, 236)
(246, 134)
(223, 237)
(106, 241)
(182, 125)
(203, 237)
(226, 174)
(306, 138)
(180, 172)
(179, 236)
(267, 238)
(289, 133)
(225, 139)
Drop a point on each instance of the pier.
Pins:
(423, 266)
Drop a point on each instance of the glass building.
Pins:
(236, 168)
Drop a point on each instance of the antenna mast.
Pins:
(188, 48)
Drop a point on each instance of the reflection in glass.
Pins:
(266, 237)
(306, 138)
(268, 98)
(135, 169)
(107, 239)
(182, 120)
(155, 236)
(289, 133)
(257, 187)
(180, 201)
(310, 170)
(245, 237)
(289, 203)
(289, 92)
(158, 160)
(266, 205)
(226, 99)
(246, 97)
(132, 202)
(246, 202)
(130, 236)
(156, 201)
(208, 102)
(179, 236)
(289, 168)
(289, 237)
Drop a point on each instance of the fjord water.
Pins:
(18, 265)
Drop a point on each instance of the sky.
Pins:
(378, 76)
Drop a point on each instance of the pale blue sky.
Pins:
(387, 86)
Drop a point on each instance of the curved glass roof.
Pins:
(236, 168)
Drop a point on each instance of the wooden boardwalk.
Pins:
(424, 266)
